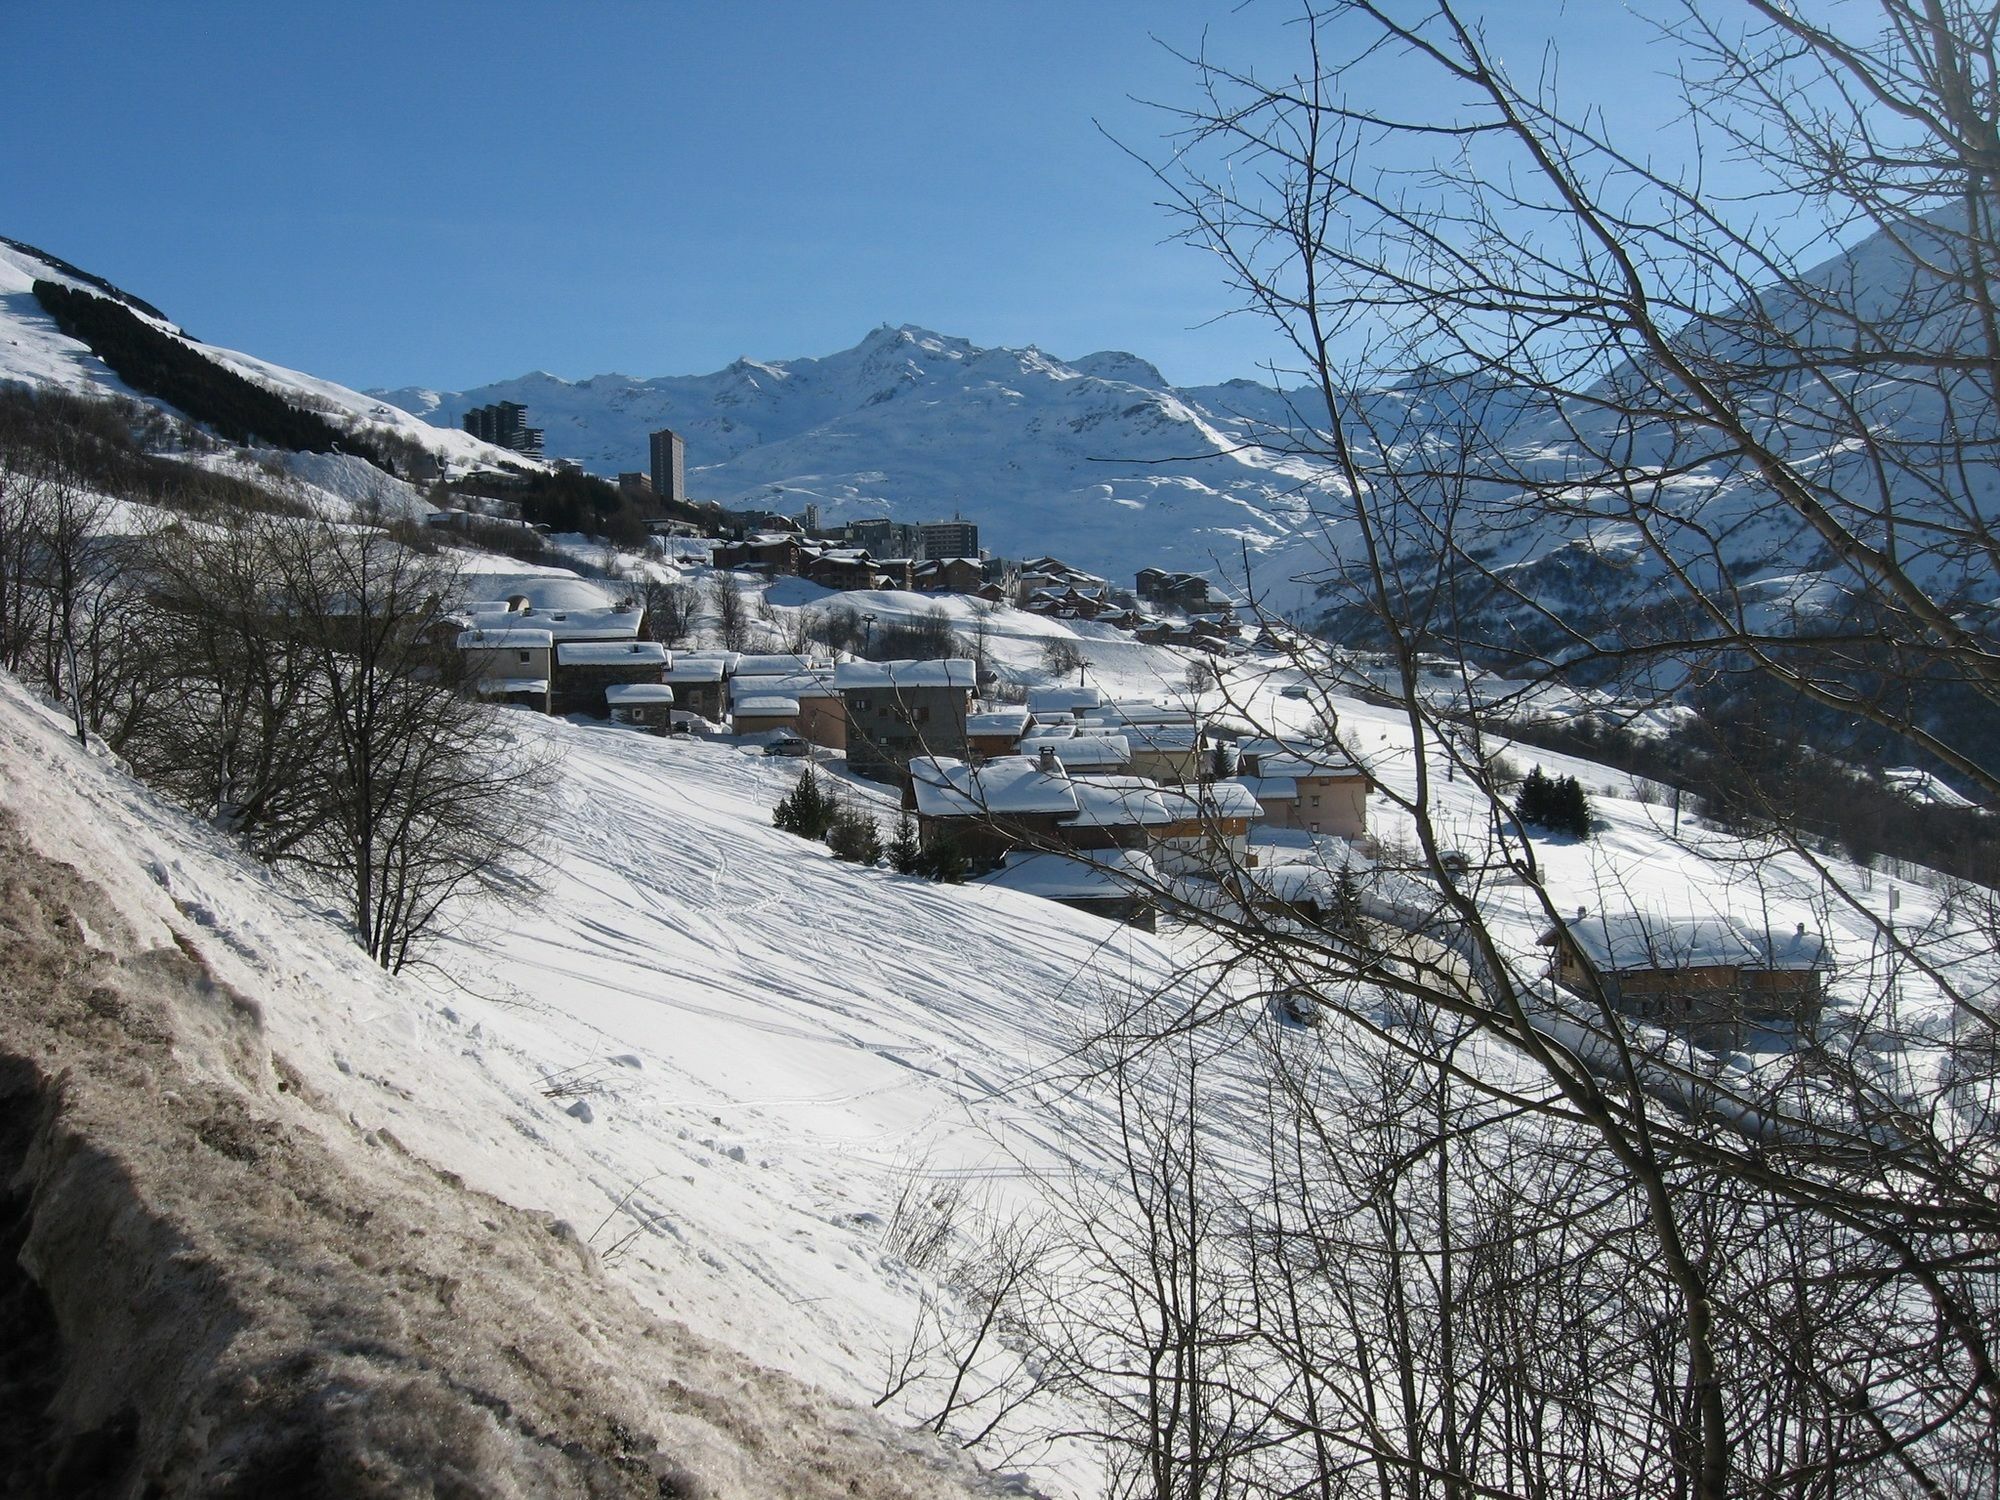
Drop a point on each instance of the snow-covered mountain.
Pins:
(1097, 459)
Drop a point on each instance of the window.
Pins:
(859, 705)
(523, 655)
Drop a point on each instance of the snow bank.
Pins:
(235, 1279)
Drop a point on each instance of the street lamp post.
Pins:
(868, 637)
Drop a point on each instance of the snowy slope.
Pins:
(33, 351)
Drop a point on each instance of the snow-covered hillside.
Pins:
(33, 351)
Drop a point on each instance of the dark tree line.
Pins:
(1556, 804)
(161, 365)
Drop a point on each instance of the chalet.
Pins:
(773, 552)
(949, 575)
(848, 568)
(648, 705)
(995, 731)
(509, 664)
(1187, 591)
(897, 710)
(987, 810)
(763, 712)
(1170, 751)
(1207, 827)
(1117, 884)
(1314, 788)
(697, 681)
(816, 713)
(1116, 812)
(584, 669)
(1710, 975)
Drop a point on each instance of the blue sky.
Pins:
(445, 194)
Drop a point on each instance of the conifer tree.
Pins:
(905, 854)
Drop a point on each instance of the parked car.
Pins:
(1454, 861)
(1294, 690)
(787, 744)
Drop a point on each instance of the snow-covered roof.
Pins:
(584, 624)
(1305, 768)
(953, 672)
(1213, 799)
(611, 653)
(1061, 699)
(1171, 738)
(1626, 941)
(500, 687)
(1292, 758)
(784, 685)
(765, 706)
(1270, 788)
(1084, 750)
(1139, 713)
(1293, 882)
(1120, 802)
(775, 664)
(624, 693)
(693, 669)
(1007, 784)
(1102, 874)
(521, 640)
(1012, 722)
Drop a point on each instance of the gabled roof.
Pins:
(771, 664)
(1105, 874)
(1625, 942)
(1007, 784)
(611, 653)
(1120, 802)
(953, 672)
(521, 639)
(1213, 799)
(1062, 699)
(1270, 788)
(694, 669)
(1011, 722)
(784, 685)
(622, 693)
(765, 706)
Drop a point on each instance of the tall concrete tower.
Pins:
(669, 466)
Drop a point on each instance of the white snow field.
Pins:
(722, 1058)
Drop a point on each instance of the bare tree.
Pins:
(1583, 417)
(670, 606)
(732, 616)
(297, 696)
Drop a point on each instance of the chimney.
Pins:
(1579, 913)
(1048, 760)
(1802, 929)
